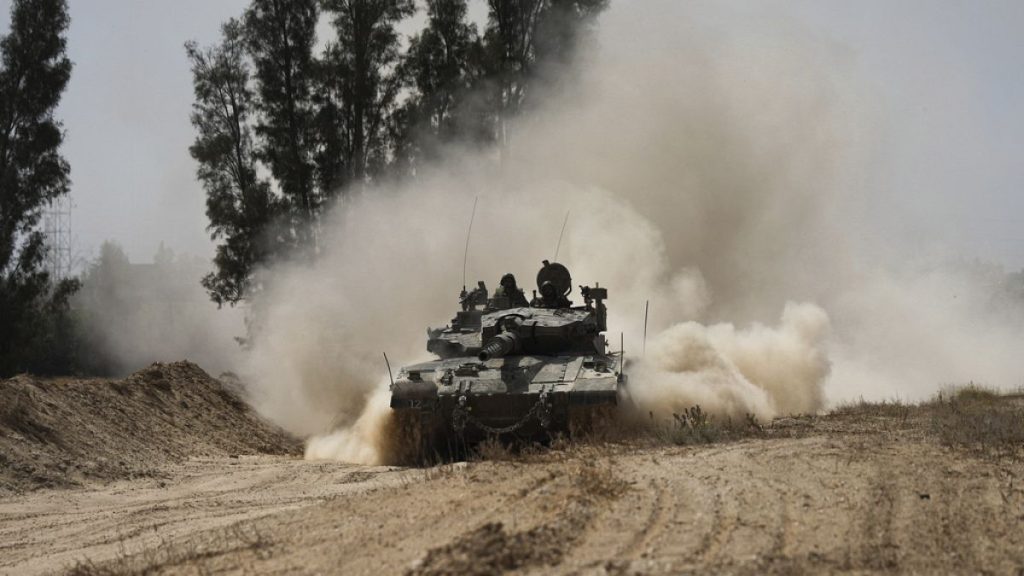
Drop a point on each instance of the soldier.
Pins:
(550, 298)
(476, 297)
(508, 294)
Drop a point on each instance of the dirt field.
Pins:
(867, 489)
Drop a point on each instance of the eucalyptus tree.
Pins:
(34, 71)
(240, 204)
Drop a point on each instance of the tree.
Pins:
(525, 38)
(563, 25)
(510, 55)
(280, 131)
(331, 158)
(239, 204)
(34, 70)
(280, 35)
(444, 63)
(363, 67)
(467, 88)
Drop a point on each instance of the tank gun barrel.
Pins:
(500, 345)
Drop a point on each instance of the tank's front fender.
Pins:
(410, 393)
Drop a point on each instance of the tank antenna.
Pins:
(643, 350)
(388, 364)
(560, 234)
(465, 256)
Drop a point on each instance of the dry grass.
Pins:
(979, 419)
(446, 471)
(885, 409)
(494, 450)
(970, 393)
(974, 417)
(888, 416)
(695, 426)
(174, 556)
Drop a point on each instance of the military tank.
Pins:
(511, 368)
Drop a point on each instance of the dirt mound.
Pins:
(64, 432)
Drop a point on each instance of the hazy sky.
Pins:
(947, 76)
(126, 111)
(948, 79)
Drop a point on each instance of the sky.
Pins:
(947, 79)
(944, 75)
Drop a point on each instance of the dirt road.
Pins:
(843, 493)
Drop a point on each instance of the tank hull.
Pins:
(450, 404)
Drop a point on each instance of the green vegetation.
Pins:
(35, 330)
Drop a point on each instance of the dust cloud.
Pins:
(762, 371)
(714, 170)
(132, 314)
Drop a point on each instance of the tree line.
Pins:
(287, 121)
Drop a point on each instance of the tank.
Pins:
(511, 368)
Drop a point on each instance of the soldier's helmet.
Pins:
(508, 281)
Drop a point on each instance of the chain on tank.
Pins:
(461, 416)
